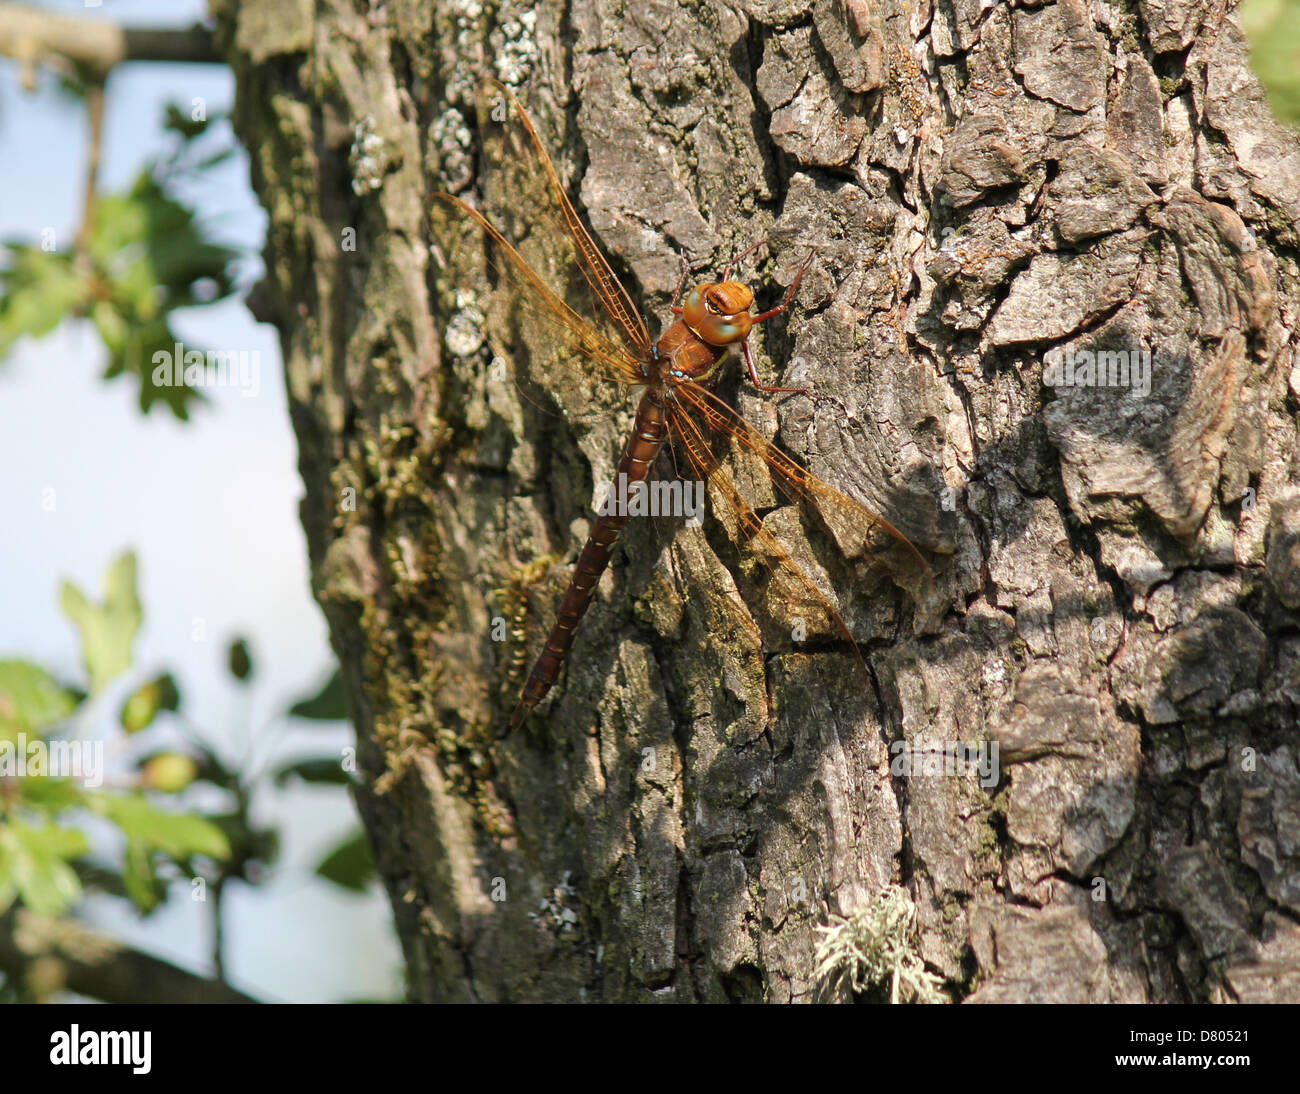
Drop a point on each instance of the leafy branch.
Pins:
(56, 793)
(140, 256)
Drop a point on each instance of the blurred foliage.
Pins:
(145, 256)
(1273, 29)
(53, 786)
(107, 629)
(349, 864)
(52, 780)
(239, 660)
(144, 704)
(328, 704)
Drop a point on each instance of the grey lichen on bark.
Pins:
(989, 190)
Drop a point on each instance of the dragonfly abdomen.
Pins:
(649, 432)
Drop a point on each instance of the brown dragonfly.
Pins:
(608, 340)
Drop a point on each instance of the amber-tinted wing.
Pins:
(550, 282)
(697, 416)
(702, 462)
(700, 413)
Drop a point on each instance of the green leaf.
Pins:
(349, 864)
(50, 796)
(169, 695)
(143, 704)
(140, 877)
(328, 704)
(31, 700)
(38, 290)
(169, 772)
(140, 357)
(107, 629)
(239, 660)
(148, 228)
(176, 834)
(32, 863)
(112, 326)
(149, 255)
(1273, 31)
(50, 839)
(325, 769)
(178, 121)
(152, 258)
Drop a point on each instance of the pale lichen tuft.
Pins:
(876, 945)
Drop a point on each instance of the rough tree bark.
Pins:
(1117, 572)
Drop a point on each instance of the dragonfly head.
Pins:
(719, 312)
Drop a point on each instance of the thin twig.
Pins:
(28, 34)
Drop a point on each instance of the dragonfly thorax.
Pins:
(718, 313)
(682, 356)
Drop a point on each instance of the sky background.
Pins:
(210, 507)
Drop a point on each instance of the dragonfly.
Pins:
(608, 339)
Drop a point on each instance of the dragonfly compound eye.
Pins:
(719, 314)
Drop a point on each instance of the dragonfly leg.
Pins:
(788, 296)
(726, 271)
(681, 284)
(753, 374)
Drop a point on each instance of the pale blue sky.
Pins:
(210, 507)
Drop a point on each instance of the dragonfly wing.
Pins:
(543, 276)
(586, 256)
(519, 295)
(807, 589)
(855, 526)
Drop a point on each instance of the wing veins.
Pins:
(689, 432)
(794, 481)
(571, 328)
(595, 269)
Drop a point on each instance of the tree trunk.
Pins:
(1002, 201)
